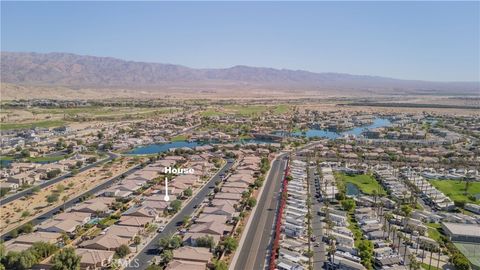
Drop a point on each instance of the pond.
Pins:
(377, 122)
(163, 147)
(352, 189)
(5, 163)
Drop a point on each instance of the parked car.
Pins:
(160, 229)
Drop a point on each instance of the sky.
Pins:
(437, 41)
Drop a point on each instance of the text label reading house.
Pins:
(179, 170)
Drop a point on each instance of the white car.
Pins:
(160, 229)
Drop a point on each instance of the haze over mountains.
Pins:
(71, 70)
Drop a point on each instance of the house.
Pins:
(182, 265)
(206, 218)
(135, 221)
(9, 185)
(31, 238)
(16, 247)
(142, 211)
(228, 196)
(24, 178)
(218, 202)
(190, 238)
(128, 232)
(194, 254)
(214, 228)
(59, 226)
(80, 217)
(92, 259)
(96, 208)
(105, 242)
(224, 209)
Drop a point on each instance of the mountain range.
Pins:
(71, 70)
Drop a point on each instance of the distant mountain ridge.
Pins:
(65, 69)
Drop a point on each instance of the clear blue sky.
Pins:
(413, 40)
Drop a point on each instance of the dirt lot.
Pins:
(11, 213)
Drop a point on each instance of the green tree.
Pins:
(25, 153)
(185, 220)
(230, 244)
(3, 251)
(52, 198)
(175, 242)
(66, 259)
(64, 200)
(176, 205)
(188, 192)
(122, 251)
(220, 265)
(167, 256)
(25, 214)
(53, 173)
(407, 210)
(136, 241)
(26, 228)
(164, 242)
(43, 249)
(348, 205)
(251, 202)
(205, 241)
(14, 233)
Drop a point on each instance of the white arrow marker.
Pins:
(166, 198)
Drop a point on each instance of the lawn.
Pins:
(366, 183)
(212, 112)
(47, 158)
(280, 109)
(426, 266)
(433, 231)
(40, 124)
(179, 138)
(456, 190)
(246, 110)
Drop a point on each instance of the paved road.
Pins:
(319, 257)
(256, 248)
(143, 258)
(47, 183)
(76, 199)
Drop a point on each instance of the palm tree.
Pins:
(430, 247)
(64, 200)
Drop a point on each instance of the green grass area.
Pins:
(434, 225)
(433, 231)
(246, 110)
(40, 124)
(426, 266)
(68, 111)
(280, 109)
(456, 190)
(366, 183)
(47, 158)
(212, 112)
(179, 138)
(245, 137)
